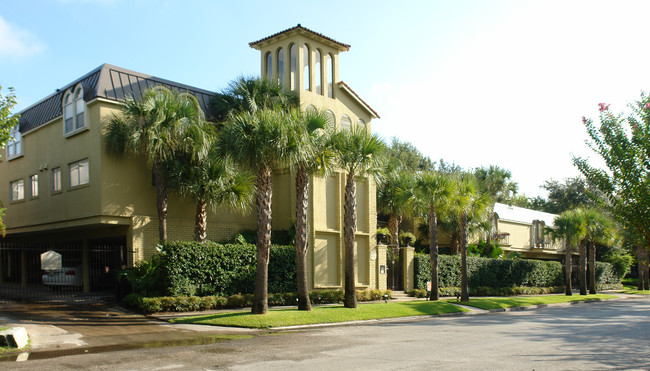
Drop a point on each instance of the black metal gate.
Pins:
(394, 262)
(87, 272)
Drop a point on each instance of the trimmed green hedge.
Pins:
(207, 269)
(486, 272)
(196, 303)
(606, 277)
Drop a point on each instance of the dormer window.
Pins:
(15, 143)
(74, 108)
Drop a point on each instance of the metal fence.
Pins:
(87, 270)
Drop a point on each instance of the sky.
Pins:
(473, 82)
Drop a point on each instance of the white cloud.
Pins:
(17, 43)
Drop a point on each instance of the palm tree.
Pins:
(213, 181)
(569, 227)
(249, 94)
(394, 198)
(359, 153)
(314, 133)
(598, 228)
(261, 141)
(435, 190)
(472, 207)
(157, 126)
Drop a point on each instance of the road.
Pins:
(609, 334)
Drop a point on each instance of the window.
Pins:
(329, 76)
(280, 66)
(317, 72)
(56, 179)
(331, 118)
(305, 67)
(269, 66)
(74, 107)
(346, 123)
(79, 173)
(33, 186)
(14, 145)
(293, 66)
(17, 188)
(537, 238)
(361, 124)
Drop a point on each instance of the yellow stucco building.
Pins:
(64, 192)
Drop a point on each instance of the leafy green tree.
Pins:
(359, 154)
(623, 143)
(571, 194)
(435, 190)
(568, 226)
(314, 139)
(405, 156)
(597, 228)
(158, 126)
(8, 121)
(261, 142)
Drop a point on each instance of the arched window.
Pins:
(329, 76)
(281, 66)
(269, 66)
(74, 107)
(293, 65)
(331, 118)
(14, 145)
(361, 124)
(306, 56)
(310, 108)
(346, 123)
(317, 72)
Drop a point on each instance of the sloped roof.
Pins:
(521, 215)
(356, 96)
(341, 47)
(107, 82)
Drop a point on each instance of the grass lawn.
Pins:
(630, 287)
(522, 301)
(325, 314)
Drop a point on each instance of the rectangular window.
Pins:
(68, 117)
(17, 190)
(33, 185)
(14, 144)
(79, 110)
(79, 173)
(56, 179)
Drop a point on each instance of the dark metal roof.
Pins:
(108, 82)
(339, 45)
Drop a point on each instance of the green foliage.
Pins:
(571, 194)
(146, 278)
(620, 261)
(7, 119)
(405, 156)
(491, 291)
(607, 277)
(209, 268)
(496, 182)
(485, 250)
(404, 236)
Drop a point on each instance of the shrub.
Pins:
(607, 278)
(406, 236)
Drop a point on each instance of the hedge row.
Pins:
(208, 269)
(196, 303)
(486, 272)
(491, 291)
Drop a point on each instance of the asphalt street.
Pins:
(601, 335)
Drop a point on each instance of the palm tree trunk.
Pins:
(350, 222)
(161, 202)
(583, 267)
(393, 227)
(464, 284)
(433, 251)
(264, 197)
(646, 274)
(592, 268)
(302, 202)
(200, 222)
(567, 267)
(453, 247)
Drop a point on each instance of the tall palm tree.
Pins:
(157, 126)
(261, 141)
(213, 181)
(314, 131)
(359, 153)
(472, 207)
(568, 226)
(394, 198)
(249, 94)
(435, 190)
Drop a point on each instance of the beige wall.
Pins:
(519, 241)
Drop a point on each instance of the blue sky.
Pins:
(472, 82)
